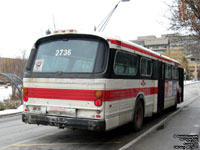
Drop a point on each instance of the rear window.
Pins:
(67, 55)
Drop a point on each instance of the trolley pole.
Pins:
(105, 21)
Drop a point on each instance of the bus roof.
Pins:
(117, 42)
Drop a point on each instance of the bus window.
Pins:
(149, 67)
(125, 64)
(146, 67)
(163, 72)
(174, 72)
(168, 71)
(67, 55)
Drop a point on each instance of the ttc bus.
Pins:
(96, 82)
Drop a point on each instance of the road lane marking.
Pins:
(66, 143)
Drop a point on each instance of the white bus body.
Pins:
(98, 92)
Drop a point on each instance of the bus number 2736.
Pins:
(63, 52)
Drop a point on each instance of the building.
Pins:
(152, 42)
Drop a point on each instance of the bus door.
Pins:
(161, 86)
(181, 85)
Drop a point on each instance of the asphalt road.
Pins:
(15, 135)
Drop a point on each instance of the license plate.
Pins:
(62, 110)
(39, 109)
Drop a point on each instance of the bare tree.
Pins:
(185, 15)
(14, 66)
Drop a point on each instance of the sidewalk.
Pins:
(11, 111)
(178, 131)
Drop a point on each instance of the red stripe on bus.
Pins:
(88, 95)
(63, 94)
(113, 95)
(139, 50)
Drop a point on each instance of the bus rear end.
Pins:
(63, 84)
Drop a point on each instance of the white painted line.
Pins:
(157, 125)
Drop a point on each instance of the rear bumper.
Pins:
(62, 122)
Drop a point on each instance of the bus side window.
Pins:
(149, 67)
(174, 72)
(163, 72)
(125, 63)
(146, 67)
(119, 68)
(168, 71)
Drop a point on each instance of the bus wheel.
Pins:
(138, 116)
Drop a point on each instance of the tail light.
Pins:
(98, 95)
(25, 98)
(98, 102)
(25, 92)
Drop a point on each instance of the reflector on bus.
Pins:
(65, 31)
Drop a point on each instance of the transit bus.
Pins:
(97, 82)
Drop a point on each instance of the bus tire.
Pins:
(138, 116)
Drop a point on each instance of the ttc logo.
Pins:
(143, 83)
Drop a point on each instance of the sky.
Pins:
(24, 21)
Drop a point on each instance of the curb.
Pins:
(12, 114)
(189, 83)
(162, 122)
